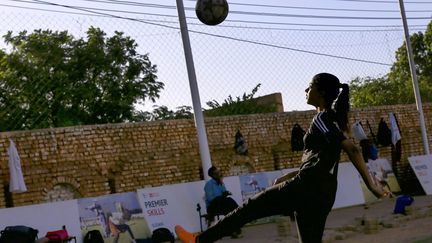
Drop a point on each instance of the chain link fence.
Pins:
(230, 59)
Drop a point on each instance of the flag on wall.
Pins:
(16, 183)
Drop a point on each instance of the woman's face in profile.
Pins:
(312, 94)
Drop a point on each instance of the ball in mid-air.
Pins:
(211, 12)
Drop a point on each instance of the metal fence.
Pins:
(257, 43)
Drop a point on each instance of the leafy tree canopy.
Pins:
(246, 104)
(240, 105)
(163, 113)
(396, 87)
(51, 79)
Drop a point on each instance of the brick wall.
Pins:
(87, 161)
(2, 200)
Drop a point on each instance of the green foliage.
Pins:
(163, 113)
(51, 79)
(372, 92)
(396, 87)
(241, 105)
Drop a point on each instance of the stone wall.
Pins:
(85, 161)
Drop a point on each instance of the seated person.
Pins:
(217, 198)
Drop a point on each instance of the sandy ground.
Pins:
(375, 223)
(418, 230)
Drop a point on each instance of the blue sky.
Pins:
(279, 44)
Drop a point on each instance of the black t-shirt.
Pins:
(322, 145)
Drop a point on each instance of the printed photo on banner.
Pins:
(251, 184)
(383, 176)
(118, 217)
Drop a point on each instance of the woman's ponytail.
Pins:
(334, 97)
(341, 107)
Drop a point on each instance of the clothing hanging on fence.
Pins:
(396, 145)
(240, 145)
(358, 131)
(16, 183)
(383, 134)
(374, 139)
(297, 134)
(394, 127)
(369, 150)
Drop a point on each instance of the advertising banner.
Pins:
(44, 217)
(382, 175)
(422, 166)
(133, 216)
(167, 206)
(349, 191)
(118, 217)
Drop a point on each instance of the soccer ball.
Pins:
(211, 12)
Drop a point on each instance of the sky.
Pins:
(279, 44)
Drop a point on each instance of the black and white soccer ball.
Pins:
(211, 12)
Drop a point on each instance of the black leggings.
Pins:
(311, 198)
(221, 206)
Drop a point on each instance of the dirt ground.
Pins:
(418, 231)
(375, 223)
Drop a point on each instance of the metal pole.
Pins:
(198, 114)
(414, 79)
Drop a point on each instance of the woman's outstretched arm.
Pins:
(285, 177)
(355, 155)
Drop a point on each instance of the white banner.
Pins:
(167, 206)
(44, 217)
(162, 207)
(422, 166)
(349, 191)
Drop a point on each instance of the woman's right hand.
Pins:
(380, 193)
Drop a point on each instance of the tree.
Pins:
(163, 113)
(241, 105)
(372, 92)
(51, 79)
(396, 87)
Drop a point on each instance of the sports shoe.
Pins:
(185, 236)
